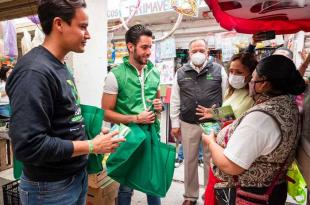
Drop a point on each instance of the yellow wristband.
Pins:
(91, 146)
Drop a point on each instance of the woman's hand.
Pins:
(205, 113)
(208, 139)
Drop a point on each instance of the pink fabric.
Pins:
(251, 26)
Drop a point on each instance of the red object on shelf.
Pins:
(281, 16)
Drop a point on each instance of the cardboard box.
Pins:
(97, 180)
(104, 195)
(6, 154)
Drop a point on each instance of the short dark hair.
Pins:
(135, 32)
(64, 9)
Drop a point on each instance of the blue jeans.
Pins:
(70, 191)
(125, 193)
(181, 153)
(200, 151)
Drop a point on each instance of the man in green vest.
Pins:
(131, 92)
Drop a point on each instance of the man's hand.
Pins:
(176, 132)
(158, 106)
(104, 142)
(146, 117)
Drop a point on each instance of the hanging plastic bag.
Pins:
(38, 38)
(143, 162)
(185, 7)
(34, 19)
(296, 184)
(1, 49)
(1, 40)
(10, 40)
(26, 43)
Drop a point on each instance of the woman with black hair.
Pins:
(240, 71)
(5, 71)
(252, 155)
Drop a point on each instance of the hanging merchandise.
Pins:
(1, 40)
(38, 38)
(185, 7)
(167, 48)
(111, 53)
(10, 40)
(120, 51)
(166, 69)
(1, 48)
(26, 42)
(34, 19)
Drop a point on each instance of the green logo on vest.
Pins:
(209, 77)
(78, 115)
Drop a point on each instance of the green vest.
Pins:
(133, 92)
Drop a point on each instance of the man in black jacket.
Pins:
(46, 127)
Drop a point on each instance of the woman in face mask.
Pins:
(237, 96)
(251, 156)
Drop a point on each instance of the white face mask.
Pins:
(198, 58)
(237, 81)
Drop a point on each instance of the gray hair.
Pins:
(285, 52)
(195, 40)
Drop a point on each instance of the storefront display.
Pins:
(166, 69)
(120, 51)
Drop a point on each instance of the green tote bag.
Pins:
(93, 118)
(143, 162)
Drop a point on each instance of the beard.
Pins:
(139, 59)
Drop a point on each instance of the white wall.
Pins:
(90, 68)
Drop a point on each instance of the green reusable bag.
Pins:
(143, 162)
(297, 187)
(93, 118)
(17, 168)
